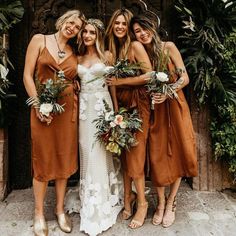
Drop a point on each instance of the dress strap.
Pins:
(45, 41)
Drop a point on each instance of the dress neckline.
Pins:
(88, 68)
(45, 48)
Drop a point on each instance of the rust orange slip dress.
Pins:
(54, 146)
(136, 97)
(172, 146)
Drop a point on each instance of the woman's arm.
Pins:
(112, 89)
(140, 56)
(32, 54)
(33, 51)
(176, 58)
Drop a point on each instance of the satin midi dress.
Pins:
(136, 97)
(172, 145)
(55, 146)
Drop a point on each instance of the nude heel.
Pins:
(169, 216)
(136, 223)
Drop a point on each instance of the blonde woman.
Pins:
(54, 138)
(131, 93)
(171, 137)
(100, 189)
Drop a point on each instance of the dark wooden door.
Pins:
(40, 16)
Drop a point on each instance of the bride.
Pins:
(100, 186)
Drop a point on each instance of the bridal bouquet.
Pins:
(117, 131)
(121, 69)
(48, 95)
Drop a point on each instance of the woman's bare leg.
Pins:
(142, 205)
(129, 197)
(39, 189)
(158, 215)
(60, 194)
(169, 216)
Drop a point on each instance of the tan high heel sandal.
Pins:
(159, 213)
(127, 214)
(136, 223)
(169, 215)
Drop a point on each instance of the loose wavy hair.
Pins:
(72, 13)
(154, 50)
(117, 48)
(99, 42)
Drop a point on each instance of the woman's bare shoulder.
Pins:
(168, 45)
(37, 40)
(136, 45)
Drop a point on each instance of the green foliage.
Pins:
(203, 42)
(209, 44)
(10, 14)
(223, 130)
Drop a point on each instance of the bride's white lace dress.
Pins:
(100, 188)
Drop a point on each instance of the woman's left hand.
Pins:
(112, 81)
(158, 97)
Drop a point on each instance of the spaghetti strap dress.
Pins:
(172, 147)
(55, 146)
(136, 97)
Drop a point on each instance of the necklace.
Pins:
(61, 53)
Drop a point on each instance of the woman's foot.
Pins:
(169, 216)
(129, 206)
(140, 215)
(158, 215)
(64, 222)
(40, 226)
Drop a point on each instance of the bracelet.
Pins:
(33, 102)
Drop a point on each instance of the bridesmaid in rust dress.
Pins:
(171, 138)
(131, 93)
(54, 138)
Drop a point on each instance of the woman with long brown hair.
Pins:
(100, 188)
(131, 94)
(171, 138)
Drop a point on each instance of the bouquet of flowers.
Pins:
(48, 95)
(121, 69)
(159, 79)
(117, 131)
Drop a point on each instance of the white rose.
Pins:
(46, 108)
(108, 69)
(3, 71)
(161, 76)
(123, 125)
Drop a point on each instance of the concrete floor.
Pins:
(198, 214)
